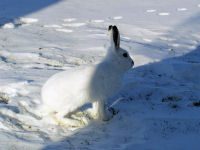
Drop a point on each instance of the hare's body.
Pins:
(66, 91)
(78, 87)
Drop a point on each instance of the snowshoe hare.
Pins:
(67, 91)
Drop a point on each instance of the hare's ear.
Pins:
(114, 36)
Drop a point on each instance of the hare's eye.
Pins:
(125, 55)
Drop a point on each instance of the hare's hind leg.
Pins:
(99, 111)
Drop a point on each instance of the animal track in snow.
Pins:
(19, 22)
(15, 89)
(164, 14)
(19, 57)
(69, 19)
(191, 47)
(126, 38)
(181, 9)
(166, 39)
(117, 17)
(52, 26)
(98, 34)
(93, 30)
(28, 60)
(147, 40)
(64, 30)
(96, 21)
(28, 20)
(74, 24)
(174, 45)
(96, 48)
(8, 26)
(150, 10)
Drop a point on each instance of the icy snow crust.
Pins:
(158, 106)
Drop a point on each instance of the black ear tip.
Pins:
(115, 28)
(110, 27)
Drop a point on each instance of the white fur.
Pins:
(65, 92)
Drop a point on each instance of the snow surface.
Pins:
(159, 102)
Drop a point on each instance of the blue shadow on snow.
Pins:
(13, 9)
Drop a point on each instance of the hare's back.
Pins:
(65, 85)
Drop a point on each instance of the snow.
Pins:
(8, 26)
(28, 20)
(74, 25)
(164, 14)
(158, 105)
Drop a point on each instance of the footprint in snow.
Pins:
(14, 89)
(58, 28)
(147, 40)
(174, 45)
(164, 14)
(96, 21)
(166, 39)
(68, 23)
(98, 35)
(8, 26)
(116, 18)
(64, 30)
(125, 38)
(181, 9)
(19, 22)
(52, 26)
(150, 10)
(27, 20)
(75, 25)
(69, 19)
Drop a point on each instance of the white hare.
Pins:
(65, 92)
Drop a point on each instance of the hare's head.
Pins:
(116, 53)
